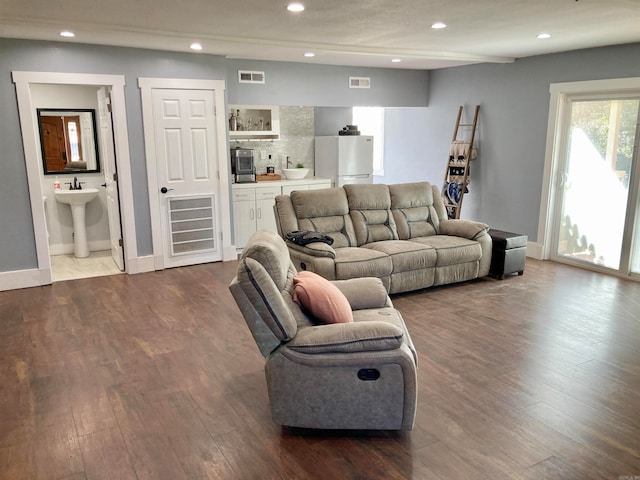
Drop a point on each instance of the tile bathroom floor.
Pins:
(97, 264)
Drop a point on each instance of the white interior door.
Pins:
(187, 165)
(108, 158)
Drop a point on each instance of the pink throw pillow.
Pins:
(320, 297)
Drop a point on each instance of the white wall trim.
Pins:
(559, 93)
(218, 87)
(24, 279)
(143, 264)
(534, 250)
(31, 144)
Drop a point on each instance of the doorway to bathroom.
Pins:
(110, 229)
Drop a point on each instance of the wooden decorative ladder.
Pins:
(456, 176)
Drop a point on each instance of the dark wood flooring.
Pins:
(156, 376)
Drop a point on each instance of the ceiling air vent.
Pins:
(359, 82)
(246, 76)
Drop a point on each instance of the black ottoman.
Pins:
(508, 254)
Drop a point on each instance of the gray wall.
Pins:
(326, 85)
(506, 179)
(287, 84)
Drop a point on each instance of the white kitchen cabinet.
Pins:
(253, 204)
(287, 189)
(265, 200)
(320, 185)
(258, 122)
(253, 210)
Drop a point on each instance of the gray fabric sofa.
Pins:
(358, 375)
(399, 233)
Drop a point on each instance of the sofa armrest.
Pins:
(463, 228)
(364, 293)
(347, 338)
(315, 249)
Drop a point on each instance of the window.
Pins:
(370, 121)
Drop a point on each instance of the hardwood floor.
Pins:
(156, 376)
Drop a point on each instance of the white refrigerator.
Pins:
(345, 158)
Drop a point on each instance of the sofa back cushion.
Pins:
(415, 209)
(325, 211)
(286, 220)
(370, 210)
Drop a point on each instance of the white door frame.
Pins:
(31, 144)
(218, 87)
(557, 105)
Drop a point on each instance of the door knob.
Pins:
(165, 189)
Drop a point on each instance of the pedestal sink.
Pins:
(77, 200)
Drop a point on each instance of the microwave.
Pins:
(242, 165)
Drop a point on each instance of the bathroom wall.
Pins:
(58, 215)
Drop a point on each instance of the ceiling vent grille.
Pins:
(359, 82)
(246, 76)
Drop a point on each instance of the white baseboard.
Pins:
(230, 253)
(535, 250)
(16, 279)
(24, 279)
(140, 265)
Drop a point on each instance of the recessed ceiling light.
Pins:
(67, 33)
(542, 36)
(309, 54)
(396, 60)
(295, 7)
(439, 25)
(195, 46)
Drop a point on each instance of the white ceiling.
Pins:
(356, 32)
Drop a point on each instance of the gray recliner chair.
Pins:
(359, 375)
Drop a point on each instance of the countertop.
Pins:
(280, 183)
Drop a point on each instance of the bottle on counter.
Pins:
(56, 184)
(233, 125)
(239, 121)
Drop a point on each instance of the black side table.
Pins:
(508, 254)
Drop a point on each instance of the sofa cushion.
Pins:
(364, 293)
(406, 255)
(463, 228)
(354, 262)
(325, 211)
(413, 210)
(348, 338)
(321, 298)
(369, 207)
(452, 250)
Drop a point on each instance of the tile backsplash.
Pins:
(296, 142)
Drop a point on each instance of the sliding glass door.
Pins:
(596, 209)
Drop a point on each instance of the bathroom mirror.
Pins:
(68, 140)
